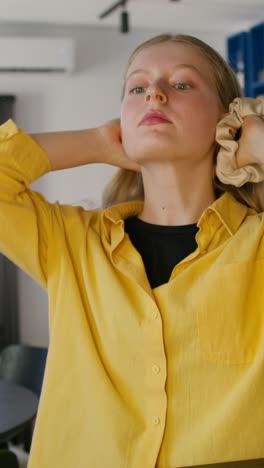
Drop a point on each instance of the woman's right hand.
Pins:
(110, 146)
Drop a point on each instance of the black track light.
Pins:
(124, 20)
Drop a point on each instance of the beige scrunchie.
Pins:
(226, 166)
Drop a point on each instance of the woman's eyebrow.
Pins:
(182, 65)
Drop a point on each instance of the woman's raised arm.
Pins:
(76, 148)
(25, 215)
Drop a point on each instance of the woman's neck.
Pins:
(176, 196)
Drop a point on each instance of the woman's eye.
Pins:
(182, 86)
(137, 90)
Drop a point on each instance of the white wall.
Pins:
(88, 98)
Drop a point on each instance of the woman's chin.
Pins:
(151, 157)
(154, 150)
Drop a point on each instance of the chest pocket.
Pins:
(230, 315)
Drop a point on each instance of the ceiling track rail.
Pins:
(124, 14)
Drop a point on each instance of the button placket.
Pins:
(155, 378)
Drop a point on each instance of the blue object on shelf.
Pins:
(257, 89)
(246, 58)
(255, 54)
(237, 58)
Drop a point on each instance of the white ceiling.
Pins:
(185, 15)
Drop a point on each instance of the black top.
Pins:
(161, 247)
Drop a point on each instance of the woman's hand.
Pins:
(110, 146)
(251, 143)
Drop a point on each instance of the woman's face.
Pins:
(173, 81)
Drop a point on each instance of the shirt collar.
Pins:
(230, 212)
(122, 211)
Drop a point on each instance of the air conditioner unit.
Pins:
(36, 54)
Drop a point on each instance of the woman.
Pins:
(156, 352)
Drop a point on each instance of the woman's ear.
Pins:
(121, 130)
(121, 118)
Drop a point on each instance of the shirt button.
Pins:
(154, 315)
(155, 421)
(155, 369)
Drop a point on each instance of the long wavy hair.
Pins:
(127, 185)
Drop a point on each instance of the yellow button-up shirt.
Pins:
(139, 378)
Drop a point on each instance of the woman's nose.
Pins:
(155, 93)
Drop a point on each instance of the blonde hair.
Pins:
(127, 185)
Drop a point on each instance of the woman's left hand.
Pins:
(251, 143)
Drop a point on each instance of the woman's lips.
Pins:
(153, 121)
(154, 117)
